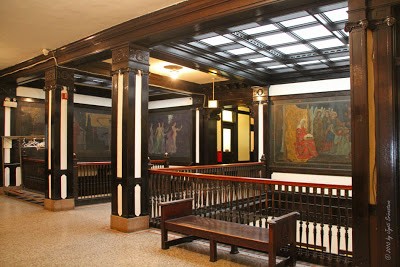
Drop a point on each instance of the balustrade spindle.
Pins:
(315, 219)
(307, 220)
(339, 221)
(322, 220)
(347, 223)
(301, 216)
(330, 225)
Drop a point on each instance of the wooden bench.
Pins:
(177, 216)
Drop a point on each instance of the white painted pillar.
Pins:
(197, 135)
(260, 130)
(7, 147)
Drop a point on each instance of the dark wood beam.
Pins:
(177, 21)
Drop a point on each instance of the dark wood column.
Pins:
(386, 131)
(375, 143)
(208, 136)
(129, 150)
(59, 87)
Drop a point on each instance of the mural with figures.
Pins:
(312, 133)
(171, 132)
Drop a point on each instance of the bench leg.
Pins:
(234, 249)
(213, 250)
(293, 253)
(272, 259)
(164, 239)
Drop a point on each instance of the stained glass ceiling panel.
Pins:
(327, 43)
(337, 15)
(340, 58)
(298, 21)
(261, 59)
(277, 67)
(240, 51)
(217, 40)
(309, 62)
(265, 28)
(312, 32)
(293, 49)
(277, 39)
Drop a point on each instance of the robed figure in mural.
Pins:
(305, 145)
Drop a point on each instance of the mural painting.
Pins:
(312, 133)
(171, 132)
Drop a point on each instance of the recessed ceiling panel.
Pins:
(277, 39)
(217, 40)
(293, 49)
(337, 15)
(298, 21)
(327, 43)
(261, 29)
(312, 32)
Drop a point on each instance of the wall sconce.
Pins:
(213, 103)
(173, 70)
(260, 94)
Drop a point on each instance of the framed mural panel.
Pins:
(311, 134)
(171, 131)
(92, 132)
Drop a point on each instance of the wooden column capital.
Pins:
(130, 57)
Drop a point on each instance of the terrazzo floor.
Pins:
(32, 236)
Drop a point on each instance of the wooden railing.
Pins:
(34, 174)
(93, 181)
(323, 230)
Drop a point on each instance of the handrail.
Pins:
(94, 163)
(217, 166)
(248, 179)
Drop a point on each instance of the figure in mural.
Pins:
(171, 138)
(151, 139)
(318, 130)
(159, 135)
(305, 145)
(342, 142)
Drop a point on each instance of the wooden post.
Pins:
(129, 149)
(59, 88)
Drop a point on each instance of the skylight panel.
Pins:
(276, 39)
(327, 43)
(265, 28)
(240, 51)
(293, 49)
(312, 32)
(309, 62)
(298, 21)
(337, 15)
(217, 40)
(340, 58)
(338, 34)
(260, 59)
(277, 67)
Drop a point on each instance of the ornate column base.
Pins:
(129, 225)
(59, 204)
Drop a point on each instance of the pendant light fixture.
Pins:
(213, 103)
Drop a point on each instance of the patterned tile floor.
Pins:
(32, 236)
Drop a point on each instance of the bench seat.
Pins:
(176, 216)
